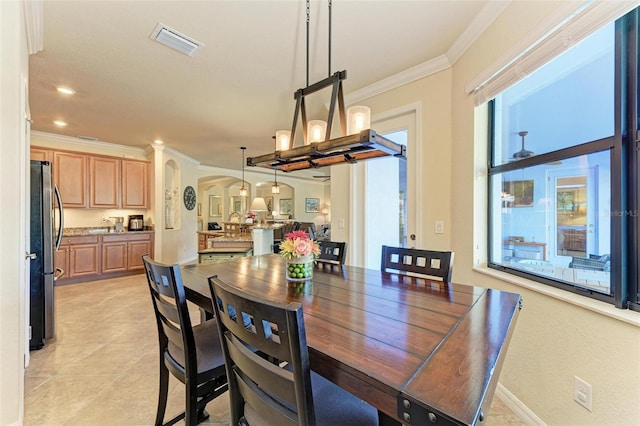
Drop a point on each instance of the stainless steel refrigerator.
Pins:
(45, 238)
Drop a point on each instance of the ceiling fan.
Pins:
(523, 153)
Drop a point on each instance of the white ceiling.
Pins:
(238, 89)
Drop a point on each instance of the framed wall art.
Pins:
(269, 202)
(520, 190)
(312, 205)
(286, 206)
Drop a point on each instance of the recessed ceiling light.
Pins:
(158, 142)
(66, 90)
(59, 123)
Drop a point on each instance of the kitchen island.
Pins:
(258, 238)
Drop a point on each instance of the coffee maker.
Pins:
(117, 224)
(136, 222)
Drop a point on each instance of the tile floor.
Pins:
(102, 367)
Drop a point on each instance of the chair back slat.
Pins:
(423, 262)
(255, 331)
(173, 333)
(332, 252)
(167, 309)
(252, 368)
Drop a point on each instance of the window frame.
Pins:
(623, 147)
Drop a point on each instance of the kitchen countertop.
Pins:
(79, 232)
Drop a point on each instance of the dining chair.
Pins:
(284, 230)
(332, 252)
(191, 353)
(423, 262)
(262, 392)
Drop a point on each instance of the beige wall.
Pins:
(557, 337)
(13, 193)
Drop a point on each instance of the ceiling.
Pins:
(238, 89)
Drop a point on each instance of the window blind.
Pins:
(505, 72)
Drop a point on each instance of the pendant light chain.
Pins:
(243, 190)
(329, 61)
(308, 14)
(329, 37)
(275, 188)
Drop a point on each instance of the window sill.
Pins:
(624, 315)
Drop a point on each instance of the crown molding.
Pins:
(34, 23)
(178, 154)
(81, 143)
(412, 74)
(476, 28)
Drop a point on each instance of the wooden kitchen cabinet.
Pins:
(123, 252)
(70, 174)
(114, 256)
(135, 184)
(79, 257)
(104, 180)
(92, 257)
(97, 181)
(41, 154)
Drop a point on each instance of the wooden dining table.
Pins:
(421, 351)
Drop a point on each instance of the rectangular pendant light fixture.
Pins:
(363, 145)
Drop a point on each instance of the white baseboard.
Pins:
(522, 411)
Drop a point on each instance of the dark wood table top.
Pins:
(420, 351)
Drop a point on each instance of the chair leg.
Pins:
(202, 414)
(191, 404)
(162, 392)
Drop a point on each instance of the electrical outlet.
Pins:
(439, 225)
(582, 392)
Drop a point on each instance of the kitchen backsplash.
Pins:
(80, 218)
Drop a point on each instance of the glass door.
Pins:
(573, 224)
(388, 218)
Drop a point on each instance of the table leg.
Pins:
(386, 420)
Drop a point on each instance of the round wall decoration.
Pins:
(189, 198)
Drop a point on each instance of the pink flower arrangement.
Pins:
(298, 244)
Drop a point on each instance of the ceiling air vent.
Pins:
(173, 39)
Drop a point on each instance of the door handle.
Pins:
(412, 237)
(58, 273)
(31, 256)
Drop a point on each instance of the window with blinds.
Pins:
(564, 169)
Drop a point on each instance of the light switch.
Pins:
(439, 226)
(341, 223)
